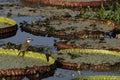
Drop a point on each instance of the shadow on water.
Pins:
(60, 74)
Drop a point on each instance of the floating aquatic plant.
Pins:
(7, 20)
(9, 59)
(89, 56)
(109, 12)
(99, 77)
(89, 51)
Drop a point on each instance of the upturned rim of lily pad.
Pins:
(97, 77)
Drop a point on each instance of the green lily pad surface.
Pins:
(6, 22)
(88, 56)
(3, 25)
(100, 77)
(9, 59)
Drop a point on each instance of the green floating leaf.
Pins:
(9, 59)
(99, 77)
(89, 51)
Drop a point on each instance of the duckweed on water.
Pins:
(9, 59)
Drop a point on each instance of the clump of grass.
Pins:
(110, 12)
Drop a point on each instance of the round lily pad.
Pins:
(87, 58)
(88, 43)
(70, 28)
(76, 3)
(99, 77)
(6, 22)
(8, 27)
(31, 63)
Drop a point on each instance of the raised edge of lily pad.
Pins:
(31, 1)
(8, 27)
(72, 64)
(97, 77)
(71, 3)
(13, 65)
(62, 45)
(68, 3)
(67, 45)
(89, 51)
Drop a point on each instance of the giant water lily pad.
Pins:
(8, 27)
(104, 43)
(11, 62)
(99, 77)
(70, 27)
(6, 22)
(3, 25)
(41, 11)
(90, 58)
(75, 3)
